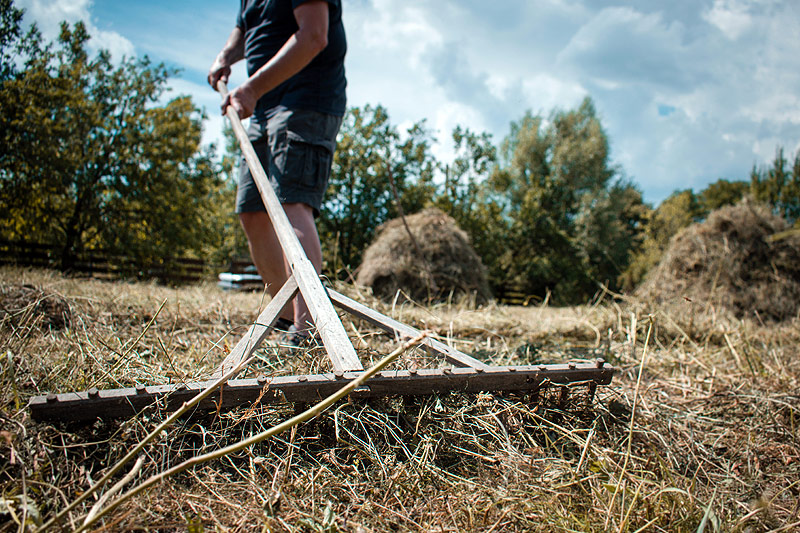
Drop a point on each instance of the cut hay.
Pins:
(713, 438)
(731, 262)
(19, 303)
(449, 266)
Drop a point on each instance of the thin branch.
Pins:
(275, 430)
(202, 395)
(115, 489)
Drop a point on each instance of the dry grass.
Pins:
(714, 443)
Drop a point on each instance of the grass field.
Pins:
(699, 430)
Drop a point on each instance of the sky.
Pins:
(688, 91)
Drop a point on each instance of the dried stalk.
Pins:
(633, 419)
(187, 406)
(275, 430)
(115, 489)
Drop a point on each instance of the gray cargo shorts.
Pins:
(295, 147)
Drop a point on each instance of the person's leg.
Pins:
(261, 238)
(301, 144)
(301, 217)
(266, 253)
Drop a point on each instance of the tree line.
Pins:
(93, 158)
(90, 157)
(777, 185)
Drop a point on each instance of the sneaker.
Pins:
(283, 324)
(296, 338)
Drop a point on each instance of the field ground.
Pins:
(699, 431)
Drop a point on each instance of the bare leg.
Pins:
(268, 257)
(266, 253)
(301, 217)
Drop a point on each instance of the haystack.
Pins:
(731, 261)
(449, 266)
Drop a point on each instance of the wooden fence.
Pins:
(512, 295)
(101, 264)
(171, 270)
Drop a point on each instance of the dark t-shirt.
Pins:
(320, 86)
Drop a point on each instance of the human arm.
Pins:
(232, 52)
(309, 40)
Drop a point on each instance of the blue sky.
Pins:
(689, 91)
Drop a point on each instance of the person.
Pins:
(295, 96)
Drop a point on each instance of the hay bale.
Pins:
(731, 261)
(449, 264)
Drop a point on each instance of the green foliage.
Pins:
(91, 160)
(568, 225)
(678, 211)
(779, 186)
(681, 209)
(721, 193)
(10, 37)
(610, 229)
(232, 242)
(371, 154)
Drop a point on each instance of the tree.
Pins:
(779, 186)
(91, 160)
(679, 210)
(561, 203)
(610, 227)
(10, 37)
(232, 241)
(721, 193)
(466, 196)
(370, 156)
(462, 190)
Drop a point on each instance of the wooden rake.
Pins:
(467, 373)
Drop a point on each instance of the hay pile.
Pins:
(731, 261)
(19, 302)
(449, 266)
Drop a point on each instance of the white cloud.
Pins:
(620, 47)
(48, 15)
(731, 17)
(395, 29)
(112, 41)
(545, 92)
(682, 104)
(426, 59)
(193, 37)
(688, 91)
(780, 105)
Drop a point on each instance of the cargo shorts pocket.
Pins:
(307, 164)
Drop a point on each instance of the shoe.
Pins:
(296, 338)
(282, 324)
